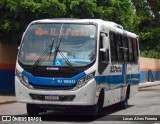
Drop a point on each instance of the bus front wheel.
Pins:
(99, 106)
(32, 110)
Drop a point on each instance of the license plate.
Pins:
(51, 98)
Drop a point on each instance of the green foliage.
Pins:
(82, 8)
(150, 54)
(148, 27)
(15, 15)
(134, 15)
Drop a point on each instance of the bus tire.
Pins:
(32, 110)
(99, 106)
(124, 104)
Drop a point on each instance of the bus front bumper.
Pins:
(85, 95)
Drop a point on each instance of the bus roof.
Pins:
(111, 25)
(70, 20)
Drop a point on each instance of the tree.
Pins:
(121, 11)
(140, 16)
(148, 13)
(15, 15)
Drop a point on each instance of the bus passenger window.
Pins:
(135, 50)
(119, 50)
(130, 49)
(113, 47)
(125, 49)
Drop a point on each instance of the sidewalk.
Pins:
(149, 84)
(4, 99)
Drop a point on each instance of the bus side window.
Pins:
(119, 50)
(125, 48)
(113, 47)
(135, 50)
(130, 46)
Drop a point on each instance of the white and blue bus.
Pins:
(65, 63)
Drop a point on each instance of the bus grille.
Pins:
(52, 88)
(55, 73)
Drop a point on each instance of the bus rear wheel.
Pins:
(32, 110)
(124, 104)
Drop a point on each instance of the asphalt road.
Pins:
(144, 105)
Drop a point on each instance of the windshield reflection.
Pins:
(78, 44)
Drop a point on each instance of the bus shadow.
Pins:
(80, 116)
(113, 108)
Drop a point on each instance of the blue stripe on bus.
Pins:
(43, 81)
(114, 80)
(118, 79)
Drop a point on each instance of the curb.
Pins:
(7, 99)
(149, 84)
(7, 102)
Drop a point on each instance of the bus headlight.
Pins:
(18, 74)
(23, 79)
(84, 80)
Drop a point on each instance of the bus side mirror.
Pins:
(105, 43)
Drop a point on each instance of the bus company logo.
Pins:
(51, 68)
(52, 81)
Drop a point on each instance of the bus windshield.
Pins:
(54, 44)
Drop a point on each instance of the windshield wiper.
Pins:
(63, 56)
(66, 59)
(51, 49)
(45, 53)
(57, 50)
